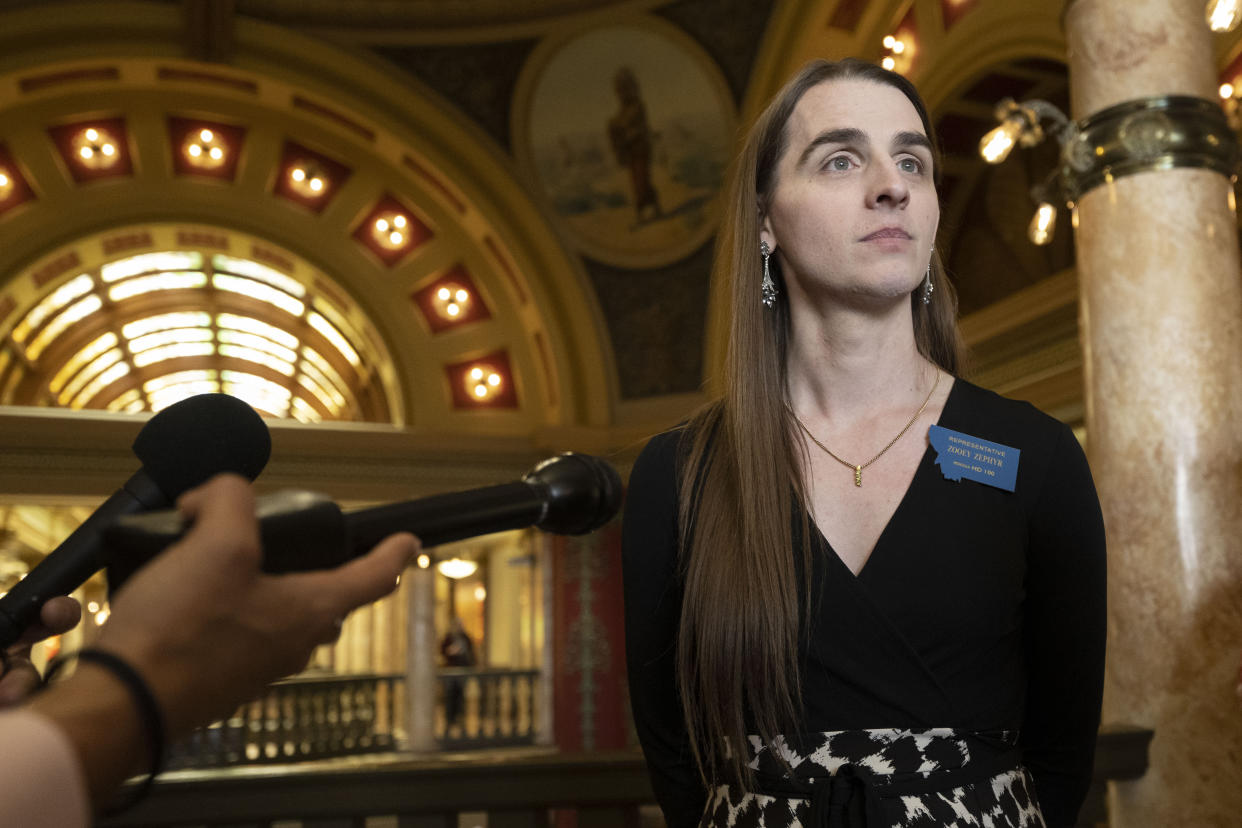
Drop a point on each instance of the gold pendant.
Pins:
(858, 476)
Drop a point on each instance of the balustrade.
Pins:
(318, 717)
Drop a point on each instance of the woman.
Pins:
(830, 621)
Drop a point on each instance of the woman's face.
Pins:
(854, 211)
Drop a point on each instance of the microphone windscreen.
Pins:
(582, 492)
(199, 437)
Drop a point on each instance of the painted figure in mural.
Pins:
(193, 634)
(458, 651)
(859, 590)
(631, 140)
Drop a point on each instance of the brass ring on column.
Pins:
(1145, 135)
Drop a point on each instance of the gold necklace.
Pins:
(858, 467)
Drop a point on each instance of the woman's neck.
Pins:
(844, 364)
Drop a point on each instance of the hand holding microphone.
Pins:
(180, 448)
(568, 494)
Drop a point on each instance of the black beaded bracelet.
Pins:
(144, 701)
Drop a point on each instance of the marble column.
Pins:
(1161, 294)
(420, 667)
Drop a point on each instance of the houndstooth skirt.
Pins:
(935, 778)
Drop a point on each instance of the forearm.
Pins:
(96, 713)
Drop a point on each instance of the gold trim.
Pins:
(1146, 135)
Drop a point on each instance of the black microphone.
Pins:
(180, 447)
(570, 494)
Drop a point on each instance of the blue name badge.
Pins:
(962, 456)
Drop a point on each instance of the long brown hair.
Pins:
(737, 648)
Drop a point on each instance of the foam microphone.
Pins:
(570, 494)
(180, 447)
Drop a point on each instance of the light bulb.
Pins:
(888, 63)
(462, 295)
(443, 294)
(316, 184)
(476, 373)
(453, 309)
(493, 380)
(298, 174)
(1224, 15)
(995, 146)
(1043, 223)
(206, 136)
(1226, 91)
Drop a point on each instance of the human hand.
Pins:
(208, 629)
(18, 676)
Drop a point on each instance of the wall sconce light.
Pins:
(1129, 138)
(1224, 15)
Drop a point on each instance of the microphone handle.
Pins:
(76, 559)
(301, 531)
(448, 517)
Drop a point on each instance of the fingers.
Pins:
(20, 679)
(222, 510)
(370, 577)
(60, 615)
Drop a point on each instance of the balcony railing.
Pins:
(498, 708)
(515, 788)
(322, 717)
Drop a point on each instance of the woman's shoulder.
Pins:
(1000, 419)
(1044, 443)
(668, 450)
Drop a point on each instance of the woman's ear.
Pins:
(766, 234)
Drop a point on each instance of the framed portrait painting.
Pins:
(627, 130)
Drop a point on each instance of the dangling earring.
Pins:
(768, 291)
(928, 287)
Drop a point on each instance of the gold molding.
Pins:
(1147, 135)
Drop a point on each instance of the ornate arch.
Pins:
(391, 145)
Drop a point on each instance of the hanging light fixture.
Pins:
(1043, 223)
(1019, 126)
(1125, 139)
(457, 568)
